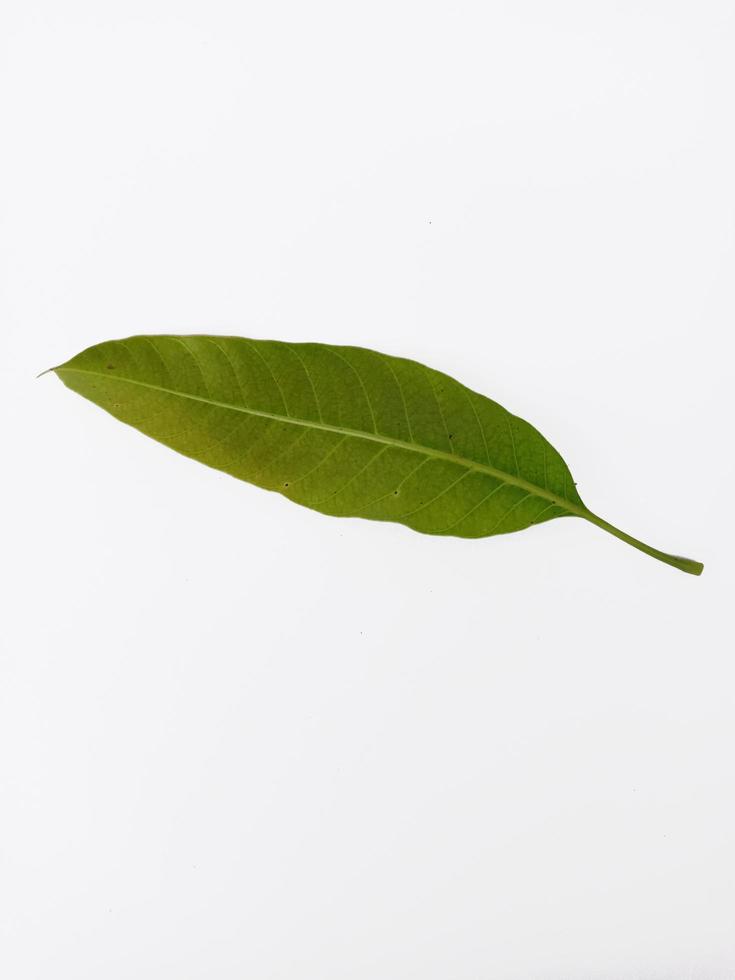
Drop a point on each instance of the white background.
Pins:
(239, 739)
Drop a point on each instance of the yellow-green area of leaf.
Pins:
(344, 430)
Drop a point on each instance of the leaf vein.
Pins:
(436, 497)
(307, 372)
(474, 508)
(359, 378)
(428, 452)
(384, 449)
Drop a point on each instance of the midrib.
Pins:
(470, 464)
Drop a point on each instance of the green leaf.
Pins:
(343, 430)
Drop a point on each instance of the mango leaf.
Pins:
(344, 430)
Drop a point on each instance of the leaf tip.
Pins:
(55, 368)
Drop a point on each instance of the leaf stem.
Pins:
(683, 564)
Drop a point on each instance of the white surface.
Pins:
(240, 739)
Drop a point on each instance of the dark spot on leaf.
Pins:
(285, 484)
(110, 367)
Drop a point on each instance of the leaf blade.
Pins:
(298, 388)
